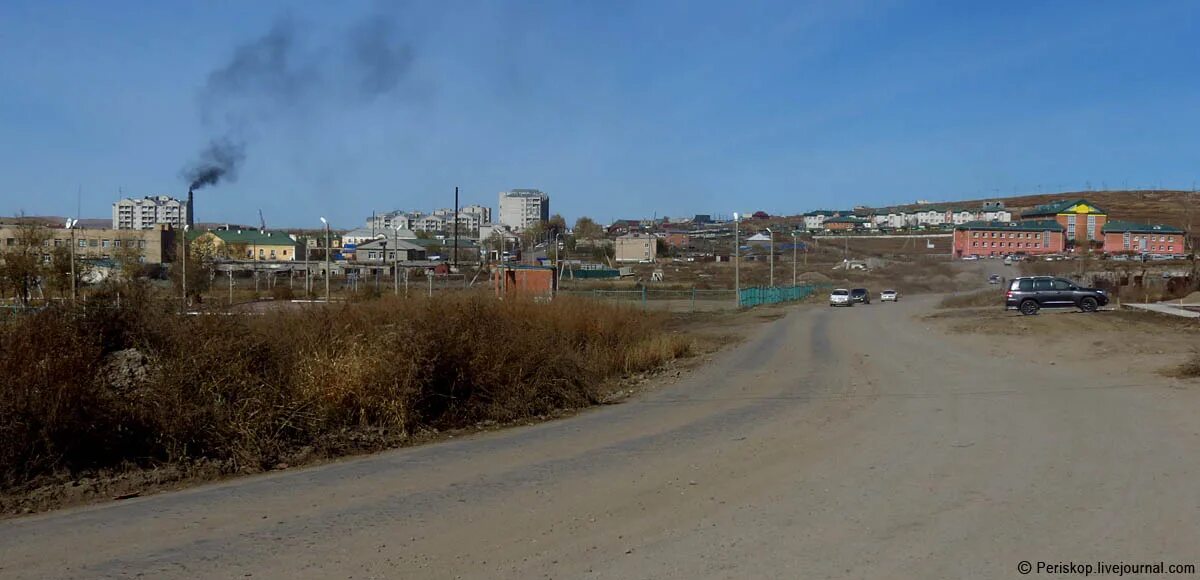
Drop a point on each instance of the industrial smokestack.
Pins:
(191, 215)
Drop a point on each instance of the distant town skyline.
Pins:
(616, 109)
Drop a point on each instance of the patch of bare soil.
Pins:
(1120, 341)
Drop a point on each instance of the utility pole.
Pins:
(71, 226)
(737, 274)
(396, 263)
(771, 258)
(456, 228)
(183, 276)
(793, 258)
(326, 222)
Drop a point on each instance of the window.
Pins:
(1071, 228)
(1125, 241)
(1061, 285)
(104, 243)
(58, 243)
(141, 243)
(1025, 285)
(1042, 284)
(1091, 227)
(93, 243)
(116, 243)
(83, 243)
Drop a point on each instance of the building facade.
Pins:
(256, 245)
(148, 212)
(521, 208)
(1122, 237)
(153, 246)
(636, 247)
(1032, 237)
(1082, 221)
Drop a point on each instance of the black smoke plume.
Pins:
(219, 161)
(283, 77)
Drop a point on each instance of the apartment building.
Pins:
(636, 247)
(521, 208)
(980, 238)
(1138, 238)
(146, 213)
(1082, 220)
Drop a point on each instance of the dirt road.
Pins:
(847, 443)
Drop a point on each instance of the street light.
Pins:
(395, 262)
(71, 226)
(793, 258)
(737, 274)
(771, 259)
(324, 221)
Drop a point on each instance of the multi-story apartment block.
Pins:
(148, 212)
(391, 220)
(521, 208)
(484, 213)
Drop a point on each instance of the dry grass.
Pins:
(246, 392)
(979, 299)
(1191, 368)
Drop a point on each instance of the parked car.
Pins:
(970, 258)
(889, 296)
(1032, 293)
(994, 279)
(840, 297)
(860, 295)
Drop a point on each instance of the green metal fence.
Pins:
(758, 295)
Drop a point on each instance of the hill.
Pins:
(1156, 206)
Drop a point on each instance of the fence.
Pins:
(759, 295)
(688, 300)
(694, 300)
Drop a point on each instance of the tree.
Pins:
(21, 264)
(555, 225)
(129, 260)
(587, 229)
(201, 258)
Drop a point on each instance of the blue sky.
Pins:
(615, 108)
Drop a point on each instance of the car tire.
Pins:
(1088, 304)
(1029, 307)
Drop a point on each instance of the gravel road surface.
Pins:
(834, 443)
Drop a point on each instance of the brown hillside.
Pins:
(1164, 207)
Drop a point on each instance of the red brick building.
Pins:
(677, 240)
(1082, 221)
(996, 238)
(1142, 238)
(842, 224)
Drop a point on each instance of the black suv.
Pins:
(860, 295)
(1030, 294)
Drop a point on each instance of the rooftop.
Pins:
(1137, 228)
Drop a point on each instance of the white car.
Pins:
(840, 297)
(889, 296)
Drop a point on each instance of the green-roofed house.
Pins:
(1133, 237)
(984, 238)
(1082, 219)
(249, 244)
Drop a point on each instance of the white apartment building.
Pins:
(483, 212)
(521, 208)
(392, 220)
(149, 212)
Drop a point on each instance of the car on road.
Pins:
(1029, 294)
(840, 297)
(889, 296)
(860, 295)
(994, 279)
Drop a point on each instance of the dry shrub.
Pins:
(249, 391)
